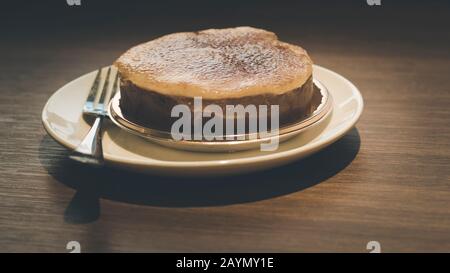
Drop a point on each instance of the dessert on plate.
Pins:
(231, 66)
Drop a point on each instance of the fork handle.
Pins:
(90, 148)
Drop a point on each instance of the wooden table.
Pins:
(388, 180)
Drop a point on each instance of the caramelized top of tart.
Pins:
(216, 63)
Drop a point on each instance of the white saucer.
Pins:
(63, 120)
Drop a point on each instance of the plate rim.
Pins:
(149, 162)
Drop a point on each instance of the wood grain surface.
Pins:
(387, 180)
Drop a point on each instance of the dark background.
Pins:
(388, 179)
(327, 23)
(57, 32)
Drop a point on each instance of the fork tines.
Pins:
(100, 93)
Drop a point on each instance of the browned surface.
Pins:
(388, 180)
(216, 63)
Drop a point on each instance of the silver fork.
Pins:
(90, 149)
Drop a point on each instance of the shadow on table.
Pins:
(93, 183)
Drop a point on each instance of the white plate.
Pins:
(63, 120)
